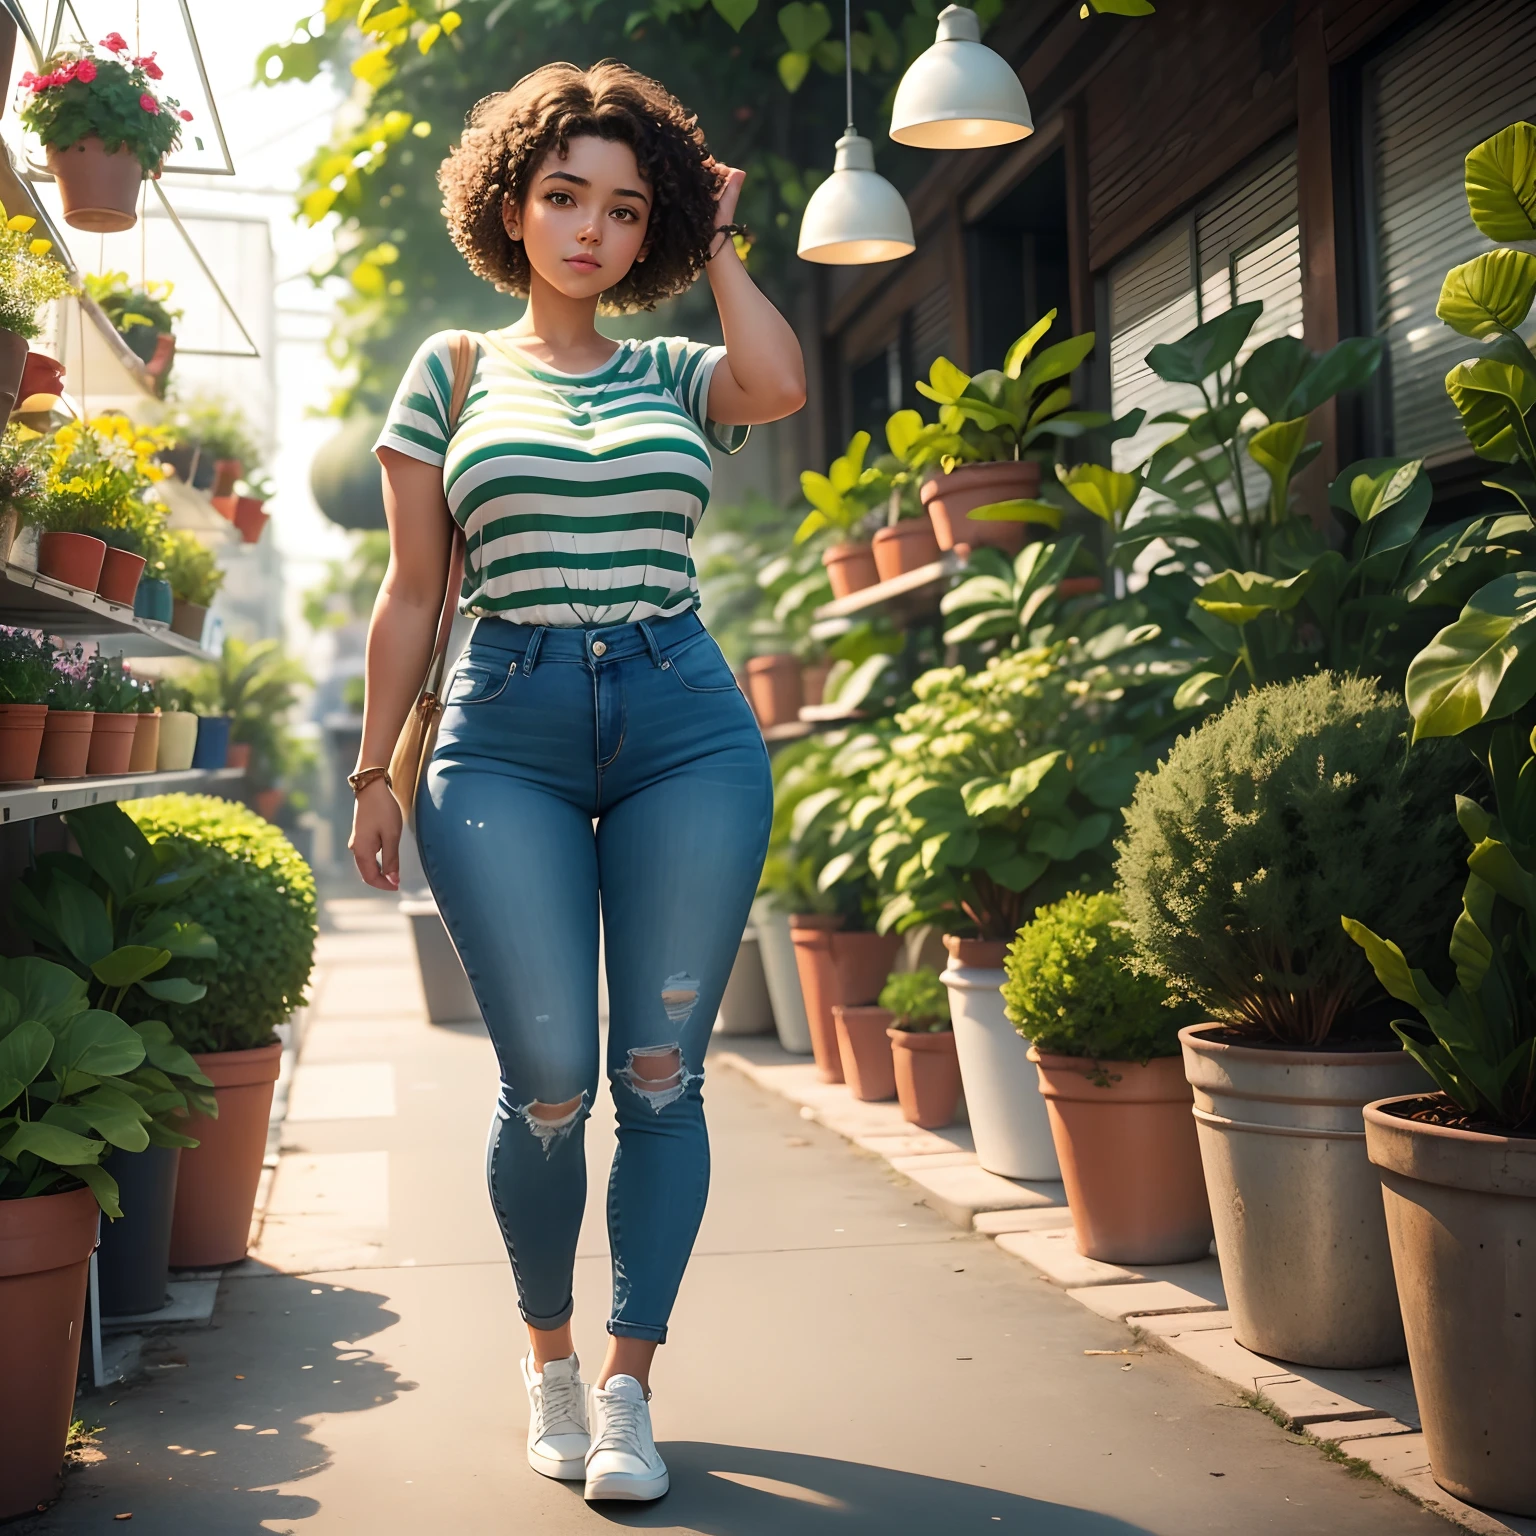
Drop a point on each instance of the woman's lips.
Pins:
(583, 263)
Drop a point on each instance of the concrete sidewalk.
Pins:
(843, 1360)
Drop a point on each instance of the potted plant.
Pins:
(774, 688)
(256, 897)
(103, 127)
(922, 1047)
(65, 1101)
(31, 276)
(195, 578)
(21, 486)
(1001, 791)
(987, 425)
(26, 675)
(178, 726)
(180, 454)
(864, 1049)
(1105, 1043)
(67, 727)
(225, 445)
(142, 317)
(115, 696)
(840, 501)
(1299, 803)
(907, 541)
(253, 686)
(251, 497)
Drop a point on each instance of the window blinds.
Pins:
(1433, 96)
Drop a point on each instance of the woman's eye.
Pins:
(559, 199)
(625, 214)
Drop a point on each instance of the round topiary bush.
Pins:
(257, 898)
(1071, 990)
(1297, 803)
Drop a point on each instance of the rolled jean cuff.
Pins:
(548, 1324)
(637, 1331)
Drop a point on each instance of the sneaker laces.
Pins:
(560, 1401)
(622, 1420)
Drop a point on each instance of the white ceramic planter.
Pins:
(178, 740)
(744, 1007)
(782, 976)
(1002, 1089)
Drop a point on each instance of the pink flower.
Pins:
(149, 104)
(116, 42)
(29, 81)
(85, 70)
(184, 115)
(150, 68)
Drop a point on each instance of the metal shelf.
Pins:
(915, 594)
(49, 798)
(31, 601)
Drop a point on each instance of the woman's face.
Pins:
(583, 222)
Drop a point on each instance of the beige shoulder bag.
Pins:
(413, 751)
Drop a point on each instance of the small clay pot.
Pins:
(111, 744)
(269, 802)
(927, 1075)
(40, 375)
(13, 361)
(251, 517)
(225, 473)
(66, 745)
(238, 755)
(837, 967)
(951, 498)
(850, 567)
(99, 190)
(773, 689)
(73, 558)
(188, 619)
(120, 572)
(813, 681)
(21, 739)
(178, 741)
(980, 954)
(908, 546)
(865, 1049)
(224, 505)
(146, 743)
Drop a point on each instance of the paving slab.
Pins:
(959, 1191)
(189, 1304)
(1137, 1300)
(1344, 1432)
(1028, 1219)
(1163, 1327)
(946, 1159)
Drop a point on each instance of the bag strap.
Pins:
(465, 356)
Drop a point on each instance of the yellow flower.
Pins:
(21, 223)
(40, 247)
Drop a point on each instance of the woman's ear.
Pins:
(511, 218)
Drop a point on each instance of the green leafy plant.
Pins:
(30, 275)
(1073, 991)
(140, 315)
(220, 429)
(103, 92)
(256, 896)
(22, 474)
(190, 567)
(26, 667)
(100, 478)
(918, 999)
(1297, 803)
(114, 689)
(843, 497)
(256, 685)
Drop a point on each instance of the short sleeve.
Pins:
(417, 424)
(686, 369)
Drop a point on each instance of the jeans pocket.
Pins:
(700, 667)
(477, 682)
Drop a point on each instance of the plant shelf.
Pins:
(27, 802)
(31, 601)
(912, 595)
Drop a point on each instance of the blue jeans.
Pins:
(641, 729)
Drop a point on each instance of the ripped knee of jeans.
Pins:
(657, 1075)
(552, 1123)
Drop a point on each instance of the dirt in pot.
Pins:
(1439, 1109)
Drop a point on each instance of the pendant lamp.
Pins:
(855, 217)
(960, 94)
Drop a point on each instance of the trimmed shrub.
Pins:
(918, 999)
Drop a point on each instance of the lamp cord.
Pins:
(848, 59)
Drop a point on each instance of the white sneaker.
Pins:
(623, 1463)
(557, 1418)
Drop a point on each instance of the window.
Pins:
(1429, 99)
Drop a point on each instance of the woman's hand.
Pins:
(375, 840)
(729, 194)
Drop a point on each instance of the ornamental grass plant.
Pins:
(1298, 804)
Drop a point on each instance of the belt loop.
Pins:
(531, 655)
(650, 642)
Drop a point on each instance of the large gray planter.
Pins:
(450, 999)
(1296, 1204)
(782, 976)
(744, 1008)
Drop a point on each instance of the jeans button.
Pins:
(598, 648)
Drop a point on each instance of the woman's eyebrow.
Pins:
(581, 181)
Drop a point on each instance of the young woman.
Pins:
(594, 750)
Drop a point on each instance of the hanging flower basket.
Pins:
(103, 127)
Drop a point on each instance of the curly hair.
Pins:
(507, 136)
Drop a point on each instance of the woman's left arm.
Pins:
(762, 375)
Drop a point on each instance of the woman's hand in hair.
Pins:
(730, 193)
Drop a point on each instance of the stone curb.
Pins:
(1370, 1416)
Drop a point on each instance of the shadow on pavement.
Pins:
(732, 1490)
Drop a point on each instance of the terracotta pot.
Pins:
(224, 505)
(178, 741)
(980, 954)
(865, 1050)
(45, 1252)
(1461, 1218)
(251, 517)
(112, 738)
(950, 498)
(100, 191)
(188, 619)
(225, 473)
(21, 739)
(813, 681)
(269, 802)
(773, 689)
(120, 572)
(40, 375)
(13, 360)
(158, 365)
(73, 558)
(66, 745)
(216, 1186)
(850, 567)
(1130, 1158)
(1079, 586)
(837, 967)
(906, 547)
(146, 743)
(238, 755)
(927, 1075)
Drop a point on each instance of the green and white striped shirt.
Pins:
(578, 493)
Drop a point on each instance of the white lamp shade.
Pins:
(959, 94)
(855, 217)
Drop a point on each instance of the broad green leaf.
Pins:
(80, 918)
(1349, 365)
(1490, 294)
(1209, 347)
(112, 844)
(811, 809)
(1018, 354)
(834, 870)
(117, 1119)
(1239, 597)
(1371, 495)
(1056, 362)
(1020, 871)
(895, 912)
(735, 13)
(1481, 667)
(1391, 968)
(1501, 184)
(1019, 510)
(1107, 493)
(945, 383)
(793, 68)
(52, 1143)
(50, 993)
(1493, 398)
(102, 1185)
(1471, 950)
(862, 681)
(99, 1042)
(901, 431)
(1124, 7)
(1063, 842)
(804, 25)
(128, 964)
(1275, 449)
(1272, 373)
(24, 1052)
(185, 941)
(174, 989)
